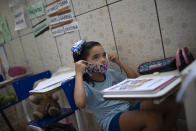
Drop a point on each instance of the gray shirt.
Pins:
(105, 110)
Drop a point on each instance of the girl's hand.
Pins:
(80, 67)
(112, 57)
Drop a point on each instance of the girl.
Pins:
(92, 76)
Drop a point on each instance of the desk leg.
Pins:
(6, 120)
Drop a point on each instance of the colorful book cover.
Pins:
(140, 85)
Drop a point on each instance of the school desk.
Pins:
(157, 97)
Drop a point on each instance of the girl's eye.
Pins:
(104, 55)
(95, 57)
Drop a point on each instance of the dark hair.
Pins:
(83, 56)
(85, 50)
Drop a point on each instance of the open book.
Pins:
(140, 85)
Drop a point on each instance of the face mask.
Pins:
(101, 68)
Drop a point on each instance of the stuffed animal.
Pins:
(46, 104)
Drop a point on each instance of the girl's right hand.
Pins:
(80, 66)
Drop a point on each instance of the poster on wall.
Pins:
(58, 31)
(61, 17)
(36, 10)
(19, 19)
(1, 38)
(5, 35)
(56, 6)
(40, 27)
(71, 27)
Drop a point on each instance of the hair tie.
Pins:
(78, 46)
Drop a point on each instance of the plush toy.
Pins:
(46, 104)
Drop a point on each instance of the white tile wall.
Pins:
(136, 31)
(95, 26)
(112, 1)
(49, 52)
(178, 23)
(81, 6)
(9, 54)
(18, 53)
(32, 53)
(65, 42)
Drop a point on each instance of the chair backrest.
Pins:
(68, 87)
(24, 85)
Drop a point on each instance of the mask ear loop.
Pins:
(107, 58)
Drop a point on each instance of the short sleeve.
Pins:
(117, 75)
(86, 88)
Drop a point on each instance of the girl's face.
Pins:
(97, 55)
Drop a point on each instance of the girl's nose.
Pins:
(103, 60)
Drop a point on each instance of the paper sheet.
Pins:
(1, 38)
(58, 31)
(36, 10)
(40, 27)
(19, 19)
(5, 35)
(61, 18)
(57, 6)
(53, 82)
(71, 27)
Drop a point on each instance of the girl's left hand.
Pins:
(112, 57)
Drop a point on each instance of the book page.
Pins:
(140, 84)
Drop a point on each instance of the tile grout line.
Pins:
(58, 51)
(36, 44)
(160, 28)
(20, 39)
(26, 59)
(113, 31)
(98, 8)
(75, 17)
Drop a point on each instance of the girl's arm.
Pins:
(79, 91)
(130, 73)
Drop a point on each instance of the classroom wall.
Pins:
(129, 28)
(136, 30)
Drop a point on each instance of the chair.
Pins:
(68, 87)
(22, 88)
